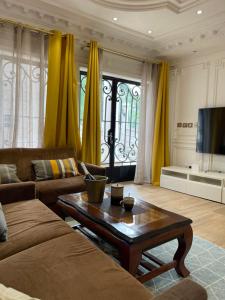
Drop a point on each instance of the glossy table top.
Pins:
(144, 221)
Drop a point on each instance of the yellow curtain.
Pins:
(61, 121)
(91, 137)
(160, 153)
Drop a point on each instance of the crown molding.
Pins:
(85, 27)
(209, 38)
(177, 6)
(177, 43)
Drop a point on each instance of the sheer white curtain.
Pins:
(146, 125)
(23, 77)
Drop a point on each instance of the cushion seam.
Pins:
(35, 245)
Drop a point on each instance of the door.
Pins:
(120, 107)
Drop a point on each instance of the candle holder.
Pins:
(116, 194)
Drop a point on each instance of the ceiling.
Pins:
(176, 28)
(143, 5)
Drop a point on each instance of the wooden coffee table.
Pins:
(133, 233)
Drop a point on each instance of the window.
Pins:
(23, 73)
(120, 113)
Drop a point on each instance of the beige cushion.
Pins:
(3, 226)
(12, 294)
(8, 174)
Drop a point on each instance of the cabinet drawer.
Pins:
(223, 196)
(204, 190)
(173, 183)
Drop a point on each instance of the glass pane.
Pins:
(28, 103)
(105, 113)
(127, 119)
(83, 80)
(105, 119)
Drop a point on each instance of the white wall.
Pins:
(194, 83)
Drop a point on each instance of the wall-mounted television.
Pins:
(211, 130)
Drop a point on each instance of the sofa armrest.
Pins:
(13, 192)
(184, 290)
(93, 169)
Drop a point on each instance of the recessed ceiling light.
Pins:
(115, 19)
(149, 31)
(199, 12)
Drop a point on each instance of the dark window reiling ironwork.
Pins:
(120, 113)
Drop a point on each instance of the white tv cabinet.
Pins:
(208, 185)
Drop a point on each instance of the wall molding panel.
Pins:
(200, 83)
(219, 74)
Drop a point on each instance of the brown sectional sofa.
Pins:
(47, 191)
(46, 259)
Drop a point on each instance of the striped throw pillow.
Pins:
(8, 174)
(55, 168)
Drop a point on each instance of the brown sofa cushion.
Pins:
(184, 290)
(48, 190)
(69, 267)
(30, 223)
(13, 192)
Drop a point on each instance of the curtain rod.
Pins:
(49, 32)
(116, 52)
(31, 27)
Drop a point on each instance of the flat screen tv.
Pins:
(211, 130)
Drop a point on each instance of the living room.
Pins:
(135, 91)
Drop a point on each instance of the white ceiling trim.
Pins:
(110, 35)
(83, 21)
(177, 6)
(212, 24)
(85, 28)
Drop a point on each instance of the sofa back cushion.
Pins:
(3, 226)
(8, 174)
(22, 158)
(55, 169)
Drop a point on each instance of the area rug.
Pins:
(205, 261)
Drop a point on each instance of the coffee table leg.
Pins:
(130, 258)
(184, 245)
